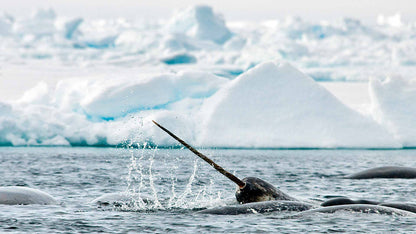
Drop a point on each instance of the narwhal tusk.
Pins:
(221, 170)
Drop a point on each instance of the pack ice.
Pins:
(271, 105)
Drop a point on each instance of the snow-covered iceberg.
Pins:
(119, 97)
(201, 23)
(394, 106)
(40, 24)
(275, 105)
(271, 105)
(103, 110)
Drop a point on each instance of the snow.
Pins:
(149, 92)
(271, 105)
(6, 23)
(394, 20)
(86, 111)
(201, 23)
(394, 107)
(75, 81)
(69, 27)
(275, 105)
(199, 35)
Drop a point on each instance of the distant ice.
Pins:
(393, 21)
(70, 27)
(6, 23)
(198, 35)
(180, 58)
(200, 22)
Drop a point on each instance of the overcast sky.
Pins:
(366, 10)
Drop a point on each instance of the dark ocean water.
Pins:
(181, 184)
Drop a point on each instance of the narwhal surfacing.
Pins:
(250, 189)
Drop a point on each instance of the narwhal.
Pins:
(258, 196)
(389, 172)
(16, 195)
(255, 195)
(250, 189)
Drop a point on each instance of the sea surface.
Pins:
(181, 184)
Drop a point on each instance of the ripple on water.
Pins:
(183, 185)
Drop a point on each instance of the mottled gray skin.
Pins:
(361, 208)
(411, 207)
(258, 207)
(346, 201)
(121, 199)
(15, 195)
(258, 190)
(258, 196)
(385, 172)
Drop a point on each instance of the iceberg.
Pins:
(40, 24)
(119, 97)
(135, 41)
(271, 105)
(104, 110)
(392, 21)
(6, 24)
(394, 107)
(180, 58)
(275, 105)
(98, 34)
(201, 23)
(69, 27)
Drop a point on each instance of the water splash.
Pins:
(153, 184)
(135, 175)
(180, 202)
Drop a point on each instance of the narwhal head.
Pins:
(256, 190)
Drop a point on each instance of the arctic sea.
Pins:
(76, 94)
(183, 184)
